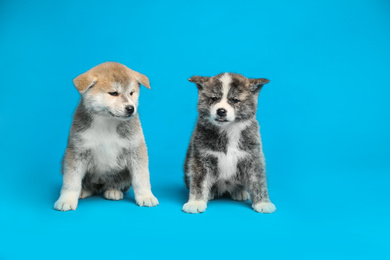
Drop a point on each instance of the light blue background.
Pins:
(325, 126)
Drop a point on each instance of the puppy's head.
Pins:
(227, 97)
(111, 89)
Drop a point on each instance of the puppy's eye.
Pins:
(113, 93)
(214, 99)
(131, 93)
(235, 100)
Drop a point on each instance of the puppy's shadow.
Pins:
(227, 199)
(165, 192)
(177, 193)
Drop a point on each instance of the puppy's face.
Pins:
(227, 97)
(111, 89)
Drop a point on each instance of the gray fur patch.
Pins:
(208, 137)
(123, 130)
(82, 118)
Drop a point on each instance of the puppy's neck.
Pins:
(227, 127)
(235, 127)
(103, 120)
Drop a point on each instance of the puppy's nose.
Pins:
(130, 110)
(221, 112)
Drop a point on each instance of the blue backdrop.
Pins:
(324, 122)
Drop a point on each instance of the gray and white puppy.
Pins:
(106, 150)
(225, 153)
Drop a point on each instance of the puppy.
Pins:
(106, 150)
(225, 153)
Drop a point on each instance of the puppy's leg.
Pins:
(187, 165)
(199, 194)
(200, 185)
(74, 170)
(138, 165)
(257, 186)
(212, 194)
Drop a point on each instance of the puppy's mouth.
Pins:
(221, 120)
(121, 117)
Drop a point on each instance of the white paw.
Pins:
(146, 200)
(113, 194)
(195, 206)
(264, 207)
(241, 195)
(85, 194)
(67, 202)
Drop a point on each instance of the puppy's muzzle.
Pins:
(221, 112)
(129, 110)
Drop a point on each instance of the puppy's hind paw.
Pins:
(195, 206)
(146, 201)
(264, 207)
(240, 195)
(113, 194)
(85, 194)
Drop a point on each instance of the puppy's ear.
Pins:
(84, 81)
(142, 79)
(199, 81)
(257, 84)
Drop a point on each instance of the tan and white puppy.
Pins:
(106, 150)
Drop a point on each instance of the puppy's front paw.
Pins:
(113, 194)
(66, 202)
(241, 195)
(264, 207)
(195, 206)
(146, 200)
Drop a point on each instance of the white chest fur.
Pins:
(227, 163)
(105, 144)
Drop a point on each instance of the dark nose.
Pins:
(221, 112)
(130, 110)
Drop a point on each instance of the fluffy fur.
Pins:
(106, 151)
(225, 153)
